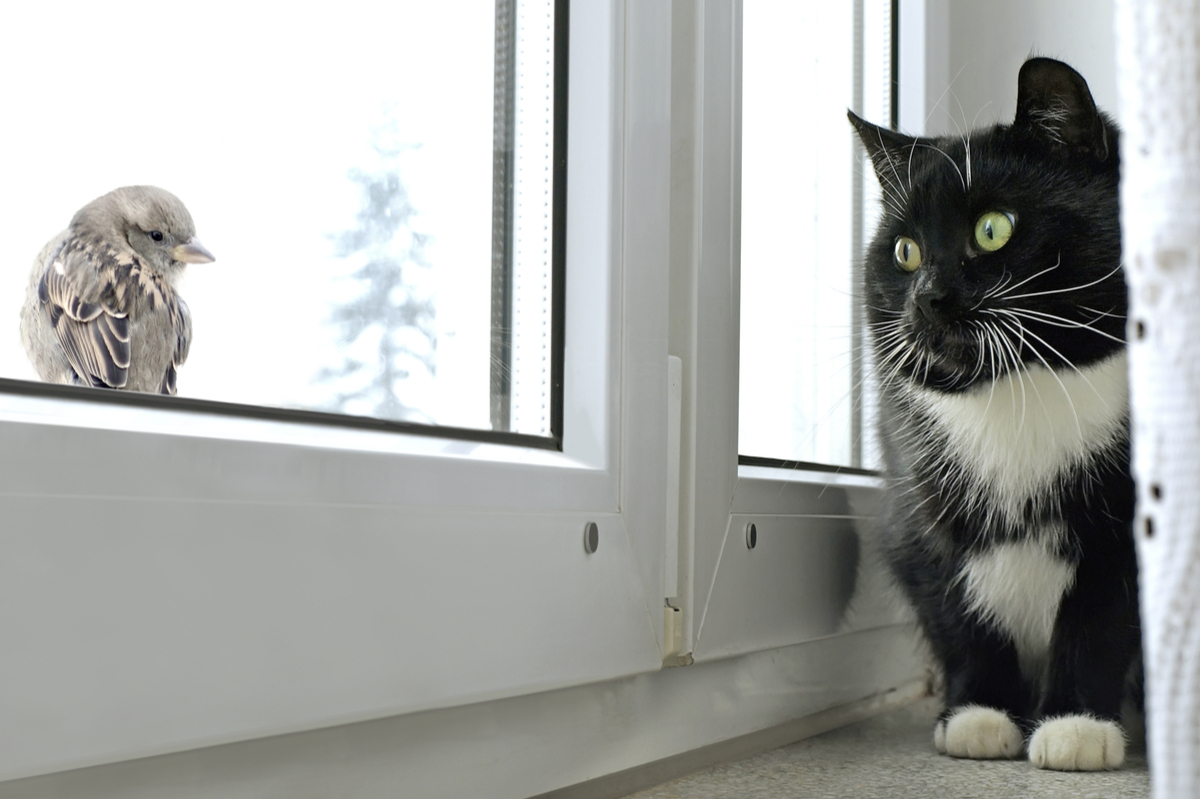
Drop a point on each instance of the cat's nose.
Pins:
(934, 302)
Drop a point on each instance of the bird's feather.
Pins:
(90, 288)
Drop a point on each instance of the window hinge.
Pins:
(673, 645)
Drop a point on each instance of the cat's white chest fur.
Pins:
(1015, 436)
(1017, 588)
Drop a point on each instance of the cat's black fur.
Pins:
(1025, 343)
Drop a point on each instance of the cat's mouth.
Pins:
(949, 359)
(946, 343)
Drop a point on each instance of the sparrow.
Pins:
(101, 308)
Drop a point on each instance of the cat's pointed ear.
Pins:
(1054, 104)
(887, 148)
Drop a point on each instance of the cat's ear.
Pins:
(887, 148)
(1054, 104)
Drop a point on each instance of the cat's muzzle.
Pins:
(949, 358)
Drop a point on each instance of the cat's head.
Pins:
(998, 250)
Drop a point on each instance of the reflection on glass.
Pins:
(522, 240)
(337, 161)
(801, 388)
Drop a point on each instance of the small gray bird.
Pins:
(101, 307)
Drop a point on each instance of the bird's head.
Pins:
(154, 222)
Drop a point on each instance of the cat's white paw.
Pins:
(978, 732)
(1077, 742)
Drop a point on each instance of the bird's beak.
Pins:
(192, 252)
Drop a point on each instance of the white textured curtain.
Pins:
(1158, 63)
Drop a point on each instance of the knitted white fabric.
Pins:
(1158, 63)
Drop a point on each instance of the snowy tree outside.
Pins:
(387, 328)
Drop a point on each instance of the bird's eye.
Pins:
(993, 229)
(156, 236)
(908, 254)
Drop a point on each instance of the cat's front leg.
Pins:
(986, 695)
(1095, 643)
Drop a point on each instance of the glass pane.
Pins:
(522, 248)
(338, 162)
(801, 388)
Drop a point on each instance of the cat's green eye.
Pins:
(993, 230)
(908, 254)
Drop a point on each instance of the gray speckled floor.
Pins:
(892, 755)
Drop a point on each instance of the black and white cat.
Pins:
(996, 306)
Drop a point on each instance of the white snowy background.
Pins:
(252, 113)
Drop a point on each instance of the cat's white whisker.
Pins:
(928, 363)
(980, 363)
(893, 208)
(896, 341)
(991, 352)
(1066, 361)
(1058, 321)
(967, 142)
(892, 342)
(1102, 314)
(1050, 120)
(904, 351)
(1036, 275)
(911, 151)
(947, 156)
(967, 145)
(930, 496)
(941, 97)
(1087, 285)
(1054, 373)
(963, 137)
(892, 188)
(975, 120)
(1000, 286)
(1013, 358)
(887, 153)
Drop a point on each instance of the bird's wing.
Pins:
(89, 317)
(181, 322)
(89, 289)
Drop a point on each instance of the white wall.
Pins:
(974, 48)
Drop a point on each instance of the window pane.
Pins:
(338, 163)
(522, 251)
(801, 389)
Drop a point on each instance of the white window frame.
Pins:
(173, 580)
(335, 574)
